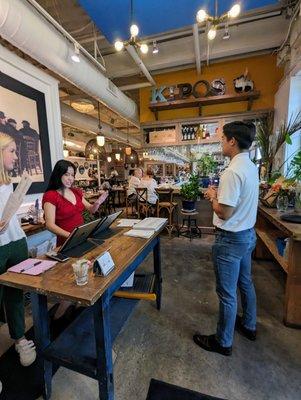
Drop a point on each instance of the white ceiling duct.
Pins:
(23, 26)
(90, 124)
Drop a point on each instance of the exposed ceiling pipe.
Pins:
(133, 53)
(197, 50)
(87, 123)
(22, 25)
(135, 86)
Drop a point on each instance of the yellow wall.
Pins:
(262, 70)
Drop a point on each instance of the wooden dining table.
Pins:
(87, 352)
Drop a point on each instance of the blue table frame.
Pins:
(99, 367)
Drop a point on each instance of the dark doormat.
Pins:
(26, 383)
(164, 391)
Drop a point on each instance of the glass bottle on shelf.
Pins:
(188, 134)
(184, 133)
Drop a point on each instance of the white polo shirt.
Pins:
(239, 188)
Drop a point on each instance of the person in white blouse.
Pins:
(13, 250)
(150, 184)
(134, 182)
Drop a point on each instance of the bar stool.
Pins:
(191, 228)
(165, 202)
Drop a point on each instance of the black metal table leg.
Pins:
(101, 315)
(42, 337)
(157, 271)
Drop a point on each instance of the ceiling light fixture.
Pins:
(109, 159)
(155, 47)
(117, 156)
(133, 41)
(213, 22)
(75, 55)
(100, 139)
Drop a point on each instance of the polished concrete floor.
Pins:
(158, 344)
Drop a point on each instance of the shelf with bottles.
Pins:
(200, 133)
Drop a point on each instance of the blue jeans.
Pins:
(232, 263)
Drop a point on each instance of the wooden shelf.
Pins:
(205, 101)
(269, 239)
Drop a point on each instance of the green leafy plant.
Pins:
(206, 165)
(190, 190)
(269, 142)
(294, 169)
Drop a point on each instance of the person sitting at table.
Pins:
(63, 207)
(104, 185)
(150, 184)
(13, 250)
(134, 182)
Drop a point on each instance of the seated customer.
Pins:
(104, 185)
(64, 206)
(150, 184)
(134, 182)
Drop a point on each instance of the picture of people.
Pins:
(19, 119)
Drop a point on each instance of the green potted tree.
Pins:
(206, 166)
(189, 192)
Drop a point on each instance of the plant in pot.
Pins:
(206, 166)
(189, 192)
(294, 172)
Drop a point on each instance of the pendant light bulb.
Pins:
(212, 33)
(201, 16)
(155, 47)
(117, 156)
(109, 159)
(234, 11)
(144, 48)
(118, 45)
(134, 30)
(100, 140)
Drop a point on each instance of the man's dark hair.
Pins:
(243, 132)
(60, 168)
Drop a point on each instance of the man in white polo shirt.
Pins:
(235, 209)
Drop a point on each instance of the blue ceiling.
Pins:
(112, 17)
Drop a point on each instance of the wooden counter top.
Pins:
(292, 230)
(32, 229)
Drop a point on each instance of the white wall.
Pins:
(17, 68)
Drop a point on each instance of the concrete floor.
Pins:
(159, 344)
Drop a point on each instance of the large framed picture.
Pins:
(23, 116)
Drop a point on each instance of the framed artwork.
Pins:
(169, 169)
(23, 117)
(156, 168)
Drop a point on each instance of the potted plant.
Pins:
(189, 192)
(206, 166)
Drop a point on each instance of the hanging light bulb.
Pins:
(109, 159)
(234, 11)
(201, 16)
(128, 151)
(75, 55)
(117, 156)
(65, 151)
(118, 45)
(134, 30)
(155, 47)
(226, 34)
(144, 48)
(100, 140)
(212, 33)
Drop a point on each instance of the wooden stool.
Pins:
(142, 202)
(191, 229)
(165, 203)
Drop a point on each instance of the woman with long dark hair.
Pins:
(63, 204)
(63, 207)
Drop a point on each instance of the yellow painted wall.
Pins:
(262, 70)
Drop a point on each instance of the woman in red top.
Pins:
(63, 205)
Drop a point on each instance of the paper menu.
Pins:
(16, 198)
(151, 223)
(124, 222)
(28, 267)
(140, 233)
